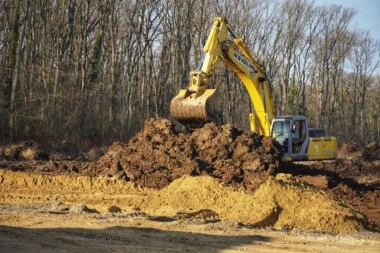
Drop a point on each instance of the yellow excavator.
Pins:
(195, 106)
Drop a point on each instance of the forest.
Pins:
(89, 72)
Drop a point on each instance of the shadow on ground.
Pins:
(117, 239)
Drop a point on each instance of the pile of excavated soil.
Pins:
(282, 202)
(371, 151)
(158, 155)
(354, 181)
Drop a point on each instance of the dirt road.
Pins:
(35, 231)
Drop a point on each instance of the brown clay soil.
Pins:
(217, 189)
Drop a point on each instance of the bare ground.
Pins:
(45, 207)
(24, 230)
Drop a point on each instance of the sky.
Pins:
(367, 14)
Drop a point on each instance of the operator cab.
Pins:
(291, 132)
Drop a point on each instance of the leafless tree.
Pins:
(364, 61)
(79, 72)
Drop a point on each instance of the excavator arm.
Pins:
(195, 105)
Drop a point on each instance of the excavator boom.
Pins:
(195, 106)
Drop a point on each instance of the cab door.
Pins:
(298, 143)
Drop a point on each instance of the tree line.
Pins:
(89, 72)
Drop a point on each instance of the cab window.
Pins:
(280, 128)
(299, 135)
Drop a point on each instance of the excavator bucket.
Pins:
(193, 112)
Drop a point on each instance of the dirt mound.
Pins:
(22, 151)
(371, 152)
(354, 181)
(351, 148)
(158, 155)
(282, 202)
